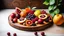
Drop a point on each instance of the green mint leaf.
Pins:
(46, 2)
(51, 7)
(52, 2)
(52, 13)
(56, 11)
(60, 0)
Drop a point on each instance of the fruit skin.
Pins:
(31, 11)
(14, 34)
(8, 33)
(42, 16)
(18, 16)
(18, 10)
(35, 19)
(27, 10)
(36, 33)
(37, 12)
(43, 12)
(23, 14)
(40, 21)
(58, 19)
(29, 22)
(14, 20)
(13, 15)
(42, 33)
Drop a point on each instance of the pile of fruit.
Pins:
(29, 17)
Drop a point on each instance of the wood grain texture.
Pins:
(24, 3)
(30, 28)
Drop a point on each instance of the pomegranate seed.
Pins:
(14, 34)
(42, 33)
(36, 34)
(8, 33)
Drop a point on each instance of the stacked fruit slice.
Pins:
(29, 17)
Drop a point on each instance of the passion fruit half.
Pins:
(42, 16)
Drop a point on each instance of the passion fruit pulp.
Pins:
(42, 16)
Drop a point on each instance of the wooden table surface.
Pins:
(5, 27)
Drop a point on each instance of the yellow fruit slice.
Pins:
(21, 21)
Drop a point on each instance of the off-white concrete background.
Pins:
(5, 27)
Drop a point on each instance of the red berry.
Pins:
(36, 18)
(17, 16)
(36, 33)
(40, 20)
(15, 20)
(42, 33)
(33, 21)
(8, 33)
(13, 15)
(31, 11)
(14, 34)
(44, 12)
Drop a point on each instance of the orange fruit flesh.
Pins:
(23, 14)
(28, 22)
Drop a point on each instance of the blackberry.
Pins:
(30, 16)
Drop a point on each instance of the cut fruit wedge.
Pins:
(21, 21)
(18, 8)
(29, 22)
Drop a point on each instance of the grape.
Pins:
(30, 16)
(13, 15)
(17, 16)
(14, 20)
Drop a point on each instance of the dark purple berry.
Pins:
(8, 33)
(42, 33)
(13, 15)
(36, 33)
(14, 34)
(17, 16)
